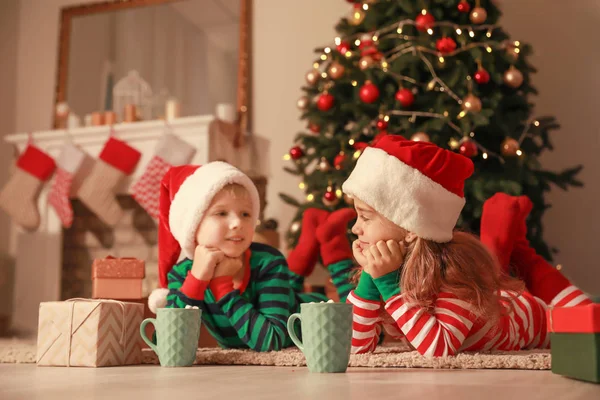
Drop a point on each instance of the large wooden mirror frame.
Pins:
(244, 60)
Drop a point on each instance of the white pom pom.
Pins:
(157, 299)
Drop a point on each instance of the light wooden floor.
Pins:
(26, 381)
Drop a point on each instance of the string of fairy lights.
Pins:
(326, 70)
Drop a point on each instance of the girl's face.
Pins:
(371, 227)
(228, 224)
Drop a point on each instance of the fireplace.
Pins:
(135, 235)
(54, 263)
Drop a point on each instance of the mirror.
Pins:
(157, 54)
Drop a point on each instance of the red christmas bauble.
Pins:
(325, 102)
(464, 6)
(424, 22)
(482, 76)
(382, 124)
(296, 152)
(366, 44)
(314, 128)
(339, 160)
(445, 45)
(330, 196)
(468, 149)
(405, 97)
(343, 47)
(369, 48)
(369, 92)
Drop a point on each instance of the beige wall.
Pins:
(566, 55)
(285, 36)
(286, 33)
(9, 18)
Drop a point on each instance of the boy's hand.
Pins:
(228, 267)
(206, 260)
(384, 257)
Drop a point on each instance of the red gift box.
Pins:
(117, 278)
(575, 341)
(581, 319)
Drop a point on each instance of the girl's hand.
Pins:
(357, 252)
(384, 257)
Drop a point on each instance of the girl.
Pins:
(443, 290)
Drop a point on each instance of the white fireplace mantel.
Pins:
(141, 135)
(38, 254)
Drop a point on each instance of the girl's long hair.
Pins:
(463, 267)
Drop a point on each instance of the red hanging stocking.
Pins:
(170, 151)
(69, 162)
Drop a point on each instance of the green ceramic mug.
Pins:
(177, 334)
(326, 335)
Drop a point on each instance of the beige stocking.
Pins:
(98, 192)
(116, 160)
(19, 199)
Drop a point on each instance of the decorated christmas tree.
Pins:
(437, 70)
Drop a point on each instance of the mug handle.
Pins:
(290, 328)
(143, 333)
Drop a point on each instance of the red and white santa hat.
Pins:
(416, 185)
(186, 192)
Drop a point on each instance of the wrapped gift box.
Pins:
(89, 333)
(117, 278)
(575, 341)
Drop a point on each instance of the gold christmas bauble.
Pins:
(365, 62)
(420, 137)
(471, 103)
(513, 77)
(478, 15)
(511, 51)
(295, 227)
(324, 165)
(454, 144)
(510, 147)
(348, 199)
(357, 16)
(336, 70)
(312, 77)
(303, 103)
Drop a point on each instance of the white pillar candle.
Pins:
(73, 121)
(172, 109)
(226, 112)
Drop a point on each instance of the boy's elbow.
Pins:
(274, 343)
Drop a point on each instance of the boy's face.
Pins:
(228, 224)
(371, 227)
